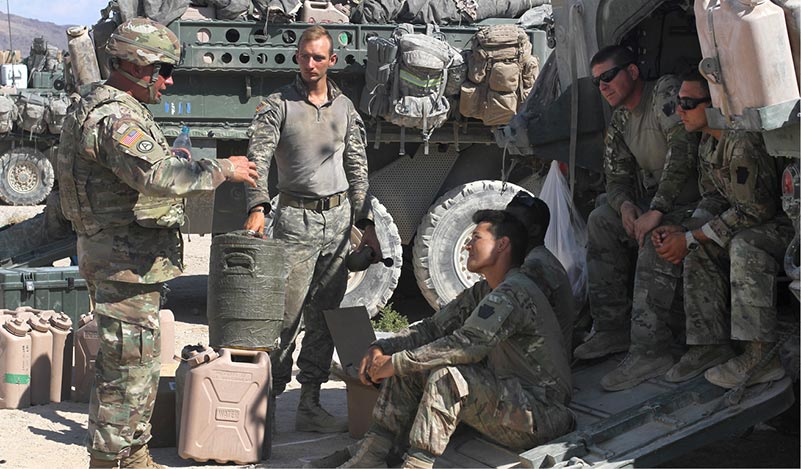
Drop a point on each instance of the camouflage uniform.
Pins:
(545, 270)
(118, 186)
(649, 160)
(497, 364)
(309, 169)
(749, 234)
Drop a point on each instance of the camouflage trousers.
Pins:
(126, 370)
(743, 275)
(423, 409)
(317, 243)
(632, 288)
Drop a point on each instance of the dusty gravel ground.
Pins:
(51, 436)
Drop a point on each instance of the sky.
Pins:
(60, 12)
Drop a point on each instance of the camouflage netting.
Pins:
(439, 11)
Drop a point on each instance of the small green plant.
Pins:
(389, 320)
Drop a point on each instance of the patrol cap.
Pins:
(143, 42)
(533, 213)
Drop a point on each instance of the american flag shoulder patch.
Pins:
(131, 137)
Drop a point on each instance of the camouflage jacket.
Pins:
(319, 151)
(739, 183)
(512, 330)
(119, 186)
(648, 153)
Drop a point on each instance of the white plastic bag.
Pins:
(566, 237)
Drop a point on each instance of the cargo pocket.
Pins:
(756, 289)
(500, 108)
(514, 411)
(504, 77)
(471, 100)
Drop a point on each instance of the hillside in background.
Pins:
(23, 30)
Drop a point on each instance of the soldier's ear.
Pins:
(503, 244)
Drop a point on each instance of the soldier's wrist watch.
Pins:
(692, 243)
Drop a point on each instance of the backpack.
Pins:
(31, 110)
(8, 114)
(55, 113)
(500, 74)
(408, 79)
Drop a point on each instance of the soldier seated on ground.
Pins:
(731, 249)
(498, 364)
(651, 179)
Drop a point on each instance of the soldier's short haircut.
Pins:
(619, 55)
(693, 75)
(315, 32)
(504, 224)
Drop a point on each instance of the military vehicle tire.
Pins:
(440, 260)
(27, 176)
(373, 287)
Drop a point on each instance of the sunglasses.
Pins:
(609, 75)
(165, 70)
(691, 103)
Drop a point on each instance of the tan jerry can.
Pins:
(87, 344)
(224, 407)
(61, 328)
(15, 364)
(41, 360)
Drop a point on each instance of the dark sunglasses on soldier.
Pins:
(165, 70)
(689, 104)
(609, 75)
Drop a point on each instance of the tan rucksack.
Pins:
(500, 74)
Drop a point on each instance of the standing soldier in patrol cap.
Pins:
(317, 139)
(121, 188)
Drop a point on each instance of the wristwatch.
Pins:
(258, 208)
(692, 243)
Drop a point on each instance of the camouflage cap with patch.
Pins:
(142, 41)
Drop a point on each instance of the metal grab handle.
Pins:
(235, 262)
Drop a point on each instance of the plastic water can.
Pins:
(749, 41)
(322, 12)
(61, 328)
(15, 364)
(224, 409)
(41, 360)
(87, 344)
(194, 353)
(167, 331)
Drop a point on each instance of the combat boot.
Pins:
(634, 369)
(311, 417)
(372, 452)
(730, 374)
(139, 458)
(603, 343)
(698, 359)
(102, 463)
(335, 459)
(416, 459)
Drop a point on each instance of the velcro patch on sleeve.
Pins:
(490, 313)
(130, 138)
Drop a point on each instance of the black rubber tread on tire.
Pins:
(373, 287)
(440, 261)
(27, 176)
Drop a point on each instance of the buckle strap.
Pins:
(319, 205)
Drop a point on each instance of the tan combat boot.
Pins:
(415, 461)
(139, 459)
(335, 459)
(102, 463)
(311, 417)
(698, 359)
(635, 369)
(603, 343)
(730, 374)
(372, 452)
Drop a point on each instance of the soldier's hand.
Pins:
(381, 368)
(244, 170)
(369, 238)
(647, 222)
(628, 215)
(367, 362)
(255, 222)
(661, 232)
(673, 248)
